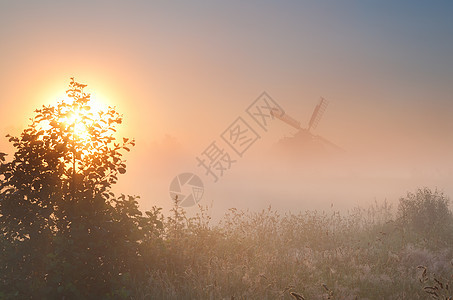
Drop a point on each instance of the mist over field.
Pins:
(293, 177)
(385, 68)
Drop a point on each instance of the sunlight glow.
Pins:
(81, 120)
(78, 124)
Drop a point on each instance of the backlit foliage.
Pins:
(65, 234)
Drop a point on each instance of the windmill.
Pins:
(304, 138)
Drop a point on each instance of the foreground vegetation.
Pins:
(366, 254)
(65, 235)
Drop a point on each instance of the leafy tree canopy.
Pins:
(65, 234)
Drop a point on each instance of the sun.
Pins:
(77, 123)
(79, 119)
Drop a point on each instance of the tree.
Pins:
(65, 234)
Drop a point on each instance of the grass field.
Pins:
(373, 253)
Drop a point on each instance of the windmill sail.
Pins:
(305, 141)
(330, 144)
(317, 114)
(285, 118)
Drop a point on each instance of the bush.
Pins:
(425, 215)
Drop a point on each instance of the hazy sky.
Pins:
(181, 72)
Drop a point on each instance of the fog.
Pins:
(288, 173)
(182, 73)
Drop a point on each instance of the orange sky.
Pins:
(182, 73)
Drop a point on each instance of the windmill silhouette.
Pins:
(304, 140)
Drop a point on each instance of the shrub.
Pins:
(425, 215)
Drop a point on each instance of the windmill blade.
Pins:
(317, 113)
(285, 118)
(329, 143)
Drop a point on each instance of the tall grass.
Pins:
(363, 254)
